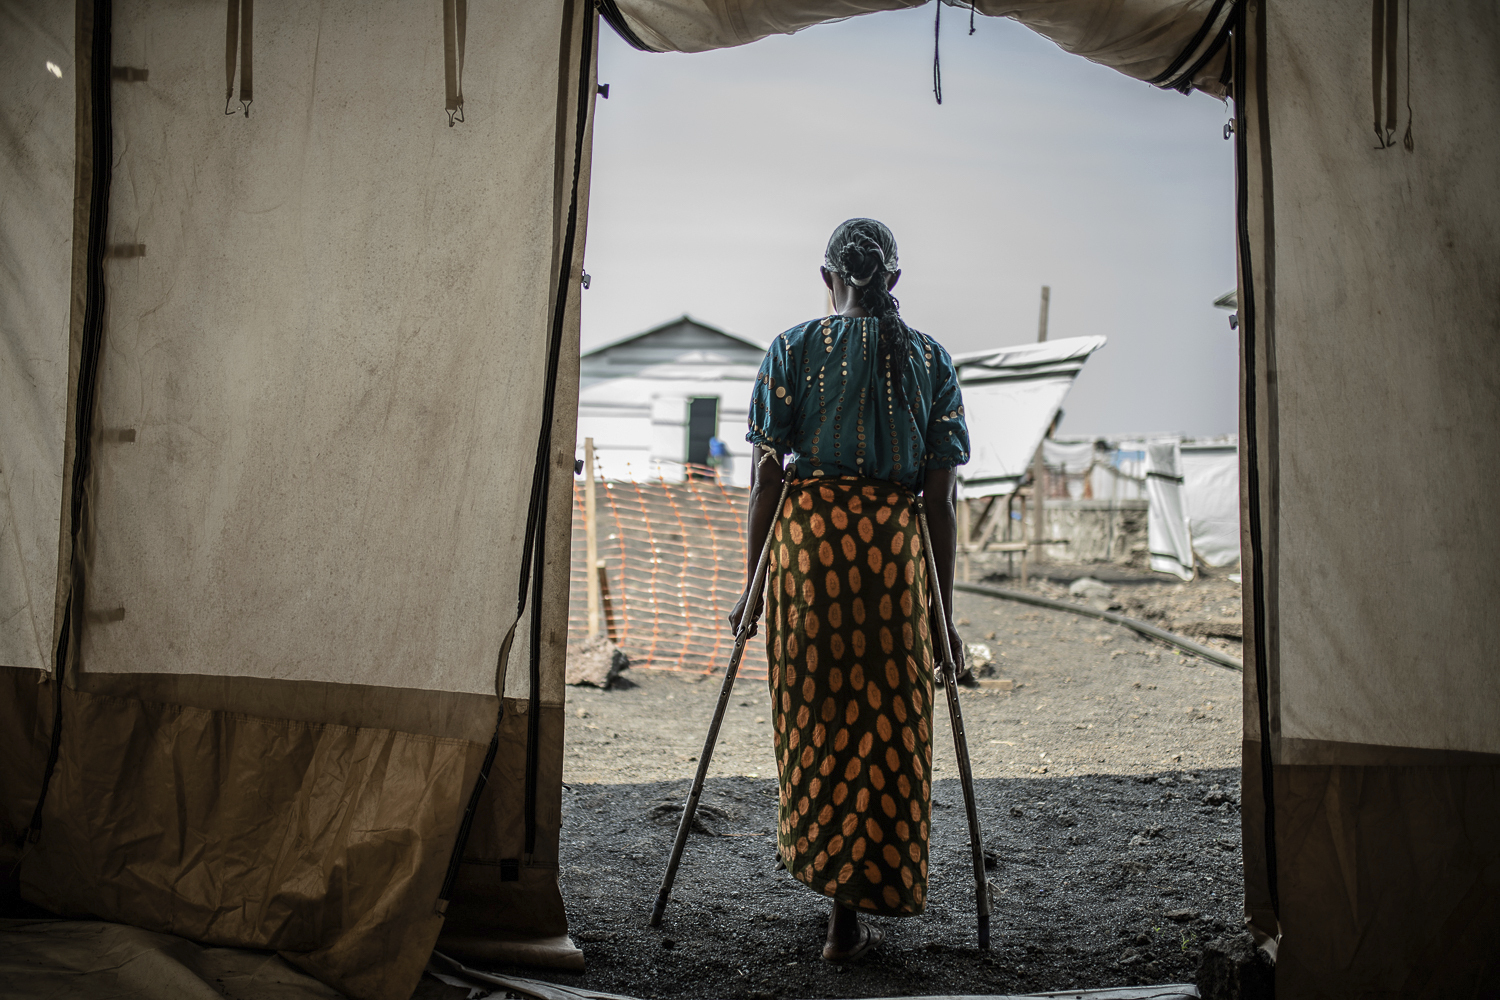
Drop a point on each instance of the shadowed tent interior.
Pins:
(290, 336)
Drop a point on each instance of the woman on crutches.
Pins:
(871, 412)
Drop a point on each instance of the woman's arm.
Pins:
(765, 489)
(942, 526)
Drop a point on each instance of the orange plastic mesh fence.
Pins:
(674, 565)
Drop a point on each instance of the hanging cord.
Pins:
(1406, 141)
(937, 65)
(971, 16)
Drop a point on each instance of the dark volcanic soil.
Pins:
(1107, 793)
(1101, 880)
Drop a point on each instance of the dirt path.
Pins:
(1091, 698)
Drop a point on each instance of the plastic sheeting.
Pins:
(1167, 535)
(1177, 43)
(1211, 494)
(37, 164)
(1010, 398)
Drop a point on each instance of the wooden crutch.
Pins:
(949, 671)
(747, 627)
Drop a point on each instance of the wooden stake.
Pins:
(1038, 469)
(591, 533)
(964, 536)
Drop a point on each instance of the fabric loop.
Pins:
(455, 28)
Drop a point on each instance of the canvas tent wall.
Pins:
(1368, 312)
(286, 434)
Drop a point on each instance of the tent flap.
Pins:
(1171, 43)
(1368, 310)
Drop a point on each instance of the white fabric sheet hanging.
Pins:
(1211, 491)
(1072, 457)
(1010, 397)
(36, 276)
(1167, 534)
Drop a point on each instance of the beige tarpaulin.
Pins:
(36, 300)
(1172, 43)
(1371, 452)
(318, 332)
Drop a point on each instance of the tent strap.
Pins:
(98, 21)
(1174, 77)
(1259, 653)
(610, 11)
(239, 34)
(455, 30)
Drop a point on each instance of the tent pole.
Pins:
(948, 670)
(746, 630)
(591, 534)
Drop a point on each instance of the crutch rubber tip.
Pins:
(660, 909)
(984, 932)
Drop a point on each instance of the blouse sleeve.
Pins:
(947, 432)
(771, 404)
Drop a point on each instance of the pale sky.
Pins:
(718, 177)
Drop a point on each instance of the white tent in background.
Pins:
(1168, 538)
(1211, 497)
(1011, 396)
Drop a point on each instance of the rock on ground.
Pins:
(595, 662)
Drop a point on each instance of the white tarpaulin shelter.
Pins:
(1010, 399)
(1168, 539)
(282, 393)
(1211, 494)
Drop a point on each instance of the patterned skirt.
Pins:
(851, 687)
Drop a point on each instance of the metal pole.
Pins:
(591, 533)
(747, 624)
(982, 900)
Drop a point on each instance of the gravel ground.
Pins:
(1108, 789)
(1090, 697)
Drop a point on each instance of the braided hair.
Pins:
(863, 253)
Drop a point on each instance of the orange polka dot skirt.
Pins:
(851, 685)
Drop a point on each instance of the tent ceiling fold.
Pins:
(1171, 43)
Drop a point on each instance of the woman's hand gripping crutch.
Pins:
(984, 900)
(745, 628)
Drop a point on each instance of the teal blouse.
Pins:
(820, 396)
